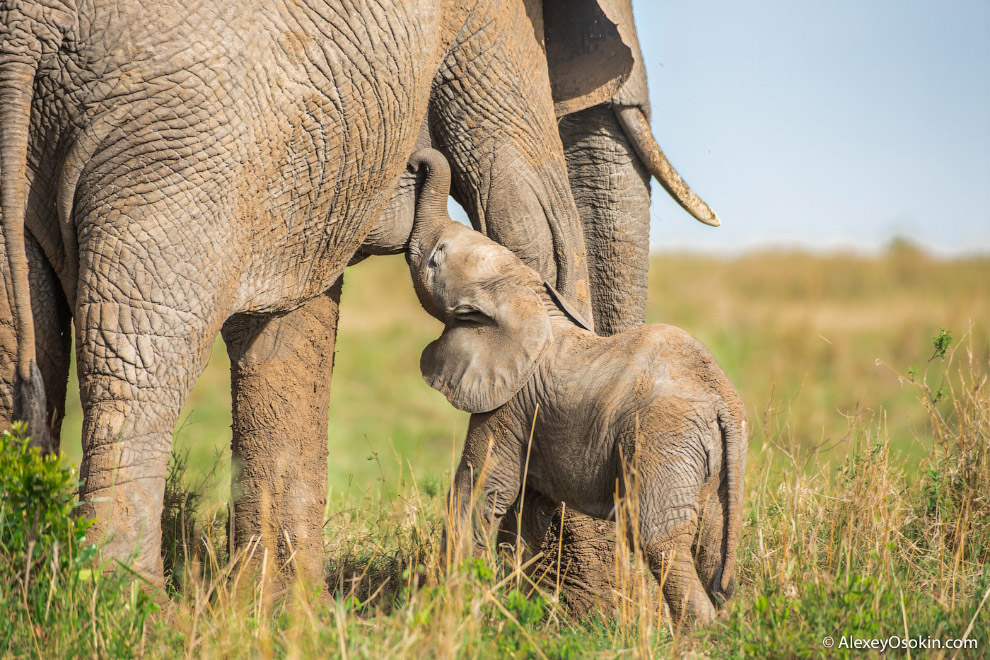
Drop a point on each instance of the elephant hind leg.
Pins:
(52, 327)
(143, 339)
(280, 380)
(670, 560)
(668, 526)
(710, 548)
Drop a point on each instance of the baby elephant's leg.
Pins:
(485, 485)
(669, 555)
(710, 554)
(669, 482)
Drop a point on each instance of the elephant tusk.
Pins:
(637, 129)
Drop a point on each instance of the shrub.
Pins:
(57, 597)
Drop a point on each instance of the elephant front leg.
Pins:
(485, 485)
(280, 381)
(611, 188)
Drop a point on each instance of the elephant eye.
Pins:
(436, 258)
(469, 315)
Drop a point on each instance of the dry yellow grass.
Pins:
(823, 337)
(885, 532)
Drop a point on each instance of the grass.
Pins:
(867, 512)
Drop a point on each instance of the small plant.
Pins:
(37, 529)
(52, 583)
(941, 343)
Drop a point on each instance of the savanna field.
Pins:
(867, 513)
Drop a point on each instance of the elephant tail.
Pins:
(16, 89)
(734, 452)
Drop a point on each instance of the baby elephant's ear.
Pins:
(493, 341)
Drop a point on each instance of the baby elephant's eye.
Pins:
(466, 313)
(436, 257)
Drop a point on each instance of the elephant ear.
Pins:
(587, 57)
(492, 343)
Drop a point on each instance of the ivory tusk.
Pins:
(637, 129)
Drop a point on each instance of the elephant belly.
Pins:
(265, 136)
(586, 483)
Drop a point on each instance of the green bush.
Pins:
(56, 597)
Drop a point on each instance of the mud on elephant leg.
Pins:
(132, 385)
(52, 327)
(578, 551)
(280, 378)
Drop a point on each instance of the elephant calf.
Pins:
(651, 400)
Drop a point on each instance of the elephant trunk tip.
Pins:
(432, 204)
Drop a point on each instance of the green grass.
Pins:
(867, 512)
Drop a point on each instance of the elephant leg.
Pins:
(611, 188)
(669, 555)
(578, 552)
(485, 485)
(668, 526)
(137, 362)
(280, 380)
(710, 549)
(52, 325)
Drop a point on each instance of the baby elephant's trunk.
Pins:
(431, 206)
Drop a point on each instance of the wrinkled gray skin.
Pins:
(611, 156)
(651, 400)
(176, 170)
(264, 132)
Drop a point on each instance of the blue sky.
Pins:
(823, 124)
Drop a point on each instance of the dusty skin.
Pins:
(158, 189)
(648, 408)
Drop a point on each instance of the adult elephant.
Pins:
(172, 170)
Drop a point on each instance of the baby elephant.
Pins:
(651, 401)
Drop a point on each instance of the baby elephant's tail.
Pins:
(734, 451)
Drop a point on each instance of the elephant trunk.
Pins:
(16, 85)
(431, 204)
(637, 129)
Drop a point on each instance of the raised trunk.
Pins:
(431, 205)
